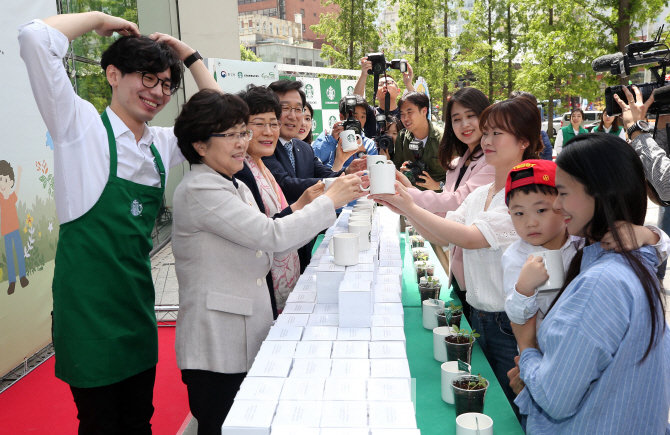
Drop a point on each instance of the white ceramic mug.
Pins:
(439, 348)
(374, 159)
(474, 423)
(344, 248)
(363, 229)
(449, 372)
(429, 319)
(382, 178)
(327, 182)
(350, 140)
(553, 261)
(361, 215)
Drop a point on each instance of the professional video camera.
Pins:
(637, 53)
(351, 123)
(414, 170)
(380, 65)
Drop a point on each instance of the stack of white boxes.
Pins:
(335, 361)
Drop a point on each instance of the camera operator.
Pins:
(386, 85)
(328, 147)
(654, 158)
(416, 147)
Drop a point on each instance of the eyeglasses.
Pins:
(234, 137)
(150, 80)
(288, 109)
(274, 126)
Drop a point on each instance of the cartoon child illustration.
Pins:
(9, 223)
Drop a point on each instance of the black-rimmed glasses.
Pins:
(150, 80)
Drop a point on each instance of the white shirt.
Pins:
(622, 133)
(483, 267)
(81, 149)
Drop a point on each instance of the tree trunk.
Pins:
(445, 85)
(490, 60)
(351, 37)
(510, 68)
(416, 37)
(552, 87)
(623, 30)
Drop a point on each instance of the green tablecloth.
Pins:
(433, 415)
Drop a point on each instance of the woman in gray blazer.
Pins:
(223, 247)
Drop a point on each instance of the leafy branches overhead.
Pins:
(349, 34)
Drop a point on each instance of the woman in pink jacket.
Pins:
(460, 155)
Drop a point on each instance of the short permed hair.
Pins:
(260, 100)
(140, 53)
(280, 87)
(6, 169)
(419, 99)
(529, 188)
(207, 112)
(360, 102)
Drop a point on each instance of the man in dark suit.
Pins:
(293, 164)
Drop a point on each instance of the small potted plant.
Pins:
(417, 241)
(430, 269)
(421, 268)
(459, 344)
(456, 313)
(420, 252)
(442, 317)
(411, 231)
(469, 393)
(429, 288)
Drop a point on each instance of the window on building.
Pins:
(289, 60)
(251, 24)
(315, 14)
(302, 12)
(305, 62)
(319, 64)
(303, 29)
(265, 28)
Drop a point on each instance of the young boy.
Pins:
(530, 193)
(9, 220)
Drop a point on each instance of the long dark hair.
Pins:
(601, 126)
(612, 174)
(309, 139)
(451, 146)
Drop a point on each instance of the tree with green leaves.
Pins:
(248, 55)
(349, 34)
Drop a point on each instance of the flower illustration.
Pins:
(39, 234)
(51, 226)
(25, 229)
(29, 220)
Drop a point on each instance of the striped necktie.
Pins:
(289, 149)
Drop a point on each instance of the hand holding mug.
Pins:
(344, 189)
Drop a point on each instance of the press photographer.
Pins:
(328, 147)
(385, 86)
(417, 145)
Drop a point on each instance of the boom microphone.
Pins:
(605, 63)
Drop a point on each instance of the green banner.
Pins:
(317, 124)
(331, 92)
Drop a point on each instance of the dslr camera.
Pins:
(351, 123)
(384, 142)
(414, 170)
(637, 54)
(379, 64)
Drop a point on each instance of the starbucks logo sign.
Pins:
(351, 138)
(330, 93)
(331, 121)
(313, 124)
(309, 91)
(350, 90)
(240, 75)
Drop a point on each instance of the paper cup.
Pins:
(467, 424)
(429, 319)
(449, 372)
(553, 261)
(363, 229)
(439, 348)
(344, 248)
(349, 140)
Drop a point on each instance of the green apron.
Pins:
(104, 328)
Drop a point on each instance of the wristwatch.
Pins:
(642, 126)
(441, 185)
(192, 58)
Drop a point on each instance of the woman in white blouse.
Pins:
(483, 228)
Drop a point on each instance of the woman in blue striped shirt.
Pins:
(600, 361)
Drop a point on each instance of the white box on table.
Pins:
(303, 389)
(295, 430)
(366, 258)
(296, 297)
(270, 367)
(313, 349)
(375, 431)
(310, 270)
(389, 254)
(326, 309)
(353, 334)
(387, 287)
(284, 333)
(350, 349)
(327, 259)
(344, 414)
(292, 319)
(390, 263)
(359, 276)
(384, 279)
(388, 333)
(249, 417)
(392, 415)
(307, 278)
(387, 320)
(387, 349)
(305, 286)
(350, 431)
(345, 389)
(350, 368)
(320, 333)
(310, 368)
(355, 301)
(317, 319)
(297, 413)
(328, 279)
(387, 297)
(257, 388)
(361, 267)
(389, 270)
(383, 389)
(277, 349)
(389, 309)
(389, 368)
(298, 308)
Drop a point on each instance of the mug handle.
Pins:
(330, 247)
(359, 140)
